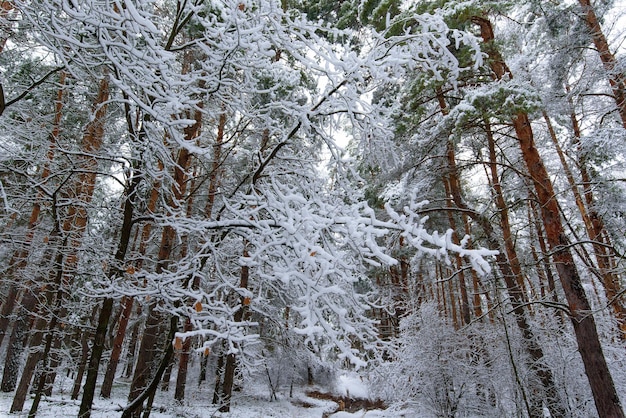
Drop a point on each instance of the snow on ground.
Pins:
(251, 403)
(352, 386)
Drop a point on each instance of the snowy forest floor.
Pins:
(252, 402)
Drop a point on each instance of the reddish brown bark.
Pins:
(128, 301)
(146, 359)
(118, 341)
(594, 227)
(476, 285)
(29, 368)
(503, 210)
(616, 75)
(75, 221)
(17, 341)
(464, 301)
(183, 364)
(518, 297)
(600, 380)
(183, 359)
(19, 259)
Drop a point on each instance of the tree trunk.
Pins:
(503, 210)
(84, 356)
(465, 308)
(476, 302)
(615, 73)
(54, 363)
(7, 308)
(518, 298)
(17, 340)
(115, 270)
(132, 347)
(29, 368)
(118, 341)
(229, 378)
(217, 390)
(594, 227)
(53, 262)
(19, 259)
(167, 376)
(600, 380)
(183, 363)
(147, 357)
(127, 303)
(597, 233)
(134, 408)
(231, 363)
(203, 368)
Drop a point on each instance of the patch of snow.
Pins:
(352, 386)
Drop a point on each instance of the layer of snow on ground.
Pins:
(253, 402)
(352, 386)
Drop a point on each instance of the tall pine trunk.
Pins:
(518, 297)
(19, 260)
(615, 72)
(600, 380)
(231, 358)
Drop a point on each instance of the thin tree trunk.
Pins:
(55, 362)
(518, 298)
(47, 357)
(453, 298)
(29, 368)
(231, 363)
(476, 302)
(465, 308)
(600, 380)
(127, 303)
(217, 389)
(183, 364)
(19, 259)
(17, 340)
(36, 336)
(84, 356)
(167, 376)
(147, 357)
(615, 73)
(183, 358)
(132, 347)
(503, 210)
(602, 242)
(203, 367)
(118, 341)
(134, 408)
(7, 307)
(441, 290)
(594, 226)
(115, 270)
